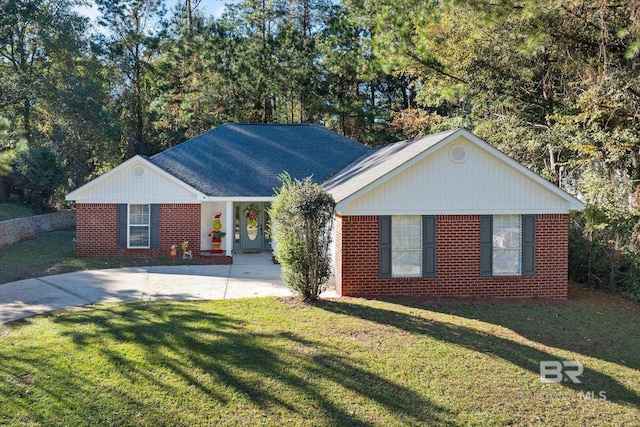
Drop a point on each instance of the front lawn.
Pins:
(348, 362)
(53, 253)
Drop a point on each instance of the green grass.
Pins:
(347, 362)
(52, 253)
(9, 210)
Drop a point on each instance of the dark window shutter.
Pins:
(528, 245)
(486, 245)
(384, 246)
(428, 246)
(122, 226)
(154, 238)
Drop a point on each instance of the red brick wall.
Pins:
(457, 261)
(97, 230)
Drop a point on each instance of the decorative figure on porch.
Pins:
(252, 213)
(186, 252)
(173, 252)
(216, 235)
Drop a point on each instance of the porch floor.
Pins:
(262, 258)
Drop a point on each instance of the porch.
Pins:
(245, 225)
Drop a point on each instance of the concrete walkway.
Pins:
(250, 276)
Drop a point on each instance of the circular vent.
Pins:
(137, 171)
(458, 153)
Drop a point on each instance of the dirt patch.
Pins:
(581, 294)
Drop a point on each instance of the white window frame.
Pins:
(507, 243)
(130, 225)
(405, 243)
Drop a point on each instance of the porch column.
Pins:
(230, 229)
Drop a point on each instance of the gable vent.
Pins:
(137, 171)
(458, 153)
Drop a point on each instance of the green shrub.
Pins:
(41, 174)
(302, 220)
(603, 254)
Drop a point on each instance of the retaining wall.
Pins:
(20, 229)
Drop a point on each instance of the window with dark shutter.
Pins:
(155, 227)
(428, 246)
(486, 245)
(138, 226)
(122, 226)
(528, 245)
(410, 250)
(384, 246)
(507, 245)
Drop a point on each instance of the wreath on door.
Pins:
(252, 212)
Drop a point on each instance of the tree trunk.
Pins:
(269, 106)
(142, 147)
(553, 161)
(589, 257)
(26, 116)
(613, 268)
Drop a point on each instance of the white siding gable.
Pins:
(136, 180)
(484, 183)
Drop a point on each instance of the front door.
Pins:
(252, 226)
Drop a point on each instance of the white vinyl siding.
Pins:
(507, 245)
(406, 246)
(483, 184)
(121, 185)
(139, 226)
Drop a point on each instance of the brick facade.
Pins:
(458, 261)
(97, 230)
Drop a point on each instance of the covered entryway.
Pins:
(252, 230)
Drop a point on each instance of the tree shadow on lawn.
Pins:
(520, 355)
(277, 371)
(591, 323)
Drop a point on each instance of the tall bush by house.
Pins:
(604, 240)
(302, 221)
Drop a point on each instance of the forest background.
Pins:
(554, 84)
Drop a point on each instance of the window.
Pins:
(267, 226)
(407, 246)
(507, 245)
(139, 226)
(236, 225)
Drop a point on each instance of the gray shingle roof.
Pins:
(378, 163)
(244, 160)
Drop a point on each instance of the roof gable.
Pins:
(378, 164)
(427, 180)
(136, 180)
(244, 160)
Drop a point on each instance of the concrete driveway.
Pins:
(249, 276)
